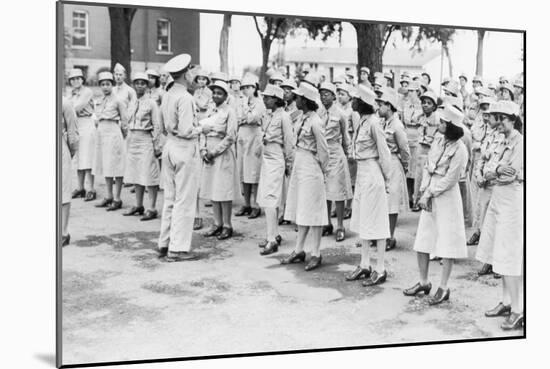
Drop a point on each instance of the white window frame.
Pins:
(169, 51)
(87, 17)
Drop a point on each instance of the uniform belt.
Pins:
(108, 121)
(83, 116)
(411, 125)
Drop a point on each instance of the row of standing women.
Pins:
(299, 136)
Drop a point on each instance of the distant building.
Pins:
(335, 61)
(156, 36)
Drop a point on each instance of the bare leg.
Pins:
(365, 254)
(340, 213)
(118, 188)
(301, 238)
(80, 174)
(272, 223)
(506, 298)
(139, 195)
(514, 287)
(329, 208)
(217, 211)
(226, 213)
(316, 238)
(109, 187)
(423, 260)
(247, 189)
(91, 179)
(381, 246)
(254, 194)
(393, 223)
(65, 212)
(446, 272)
(153, 191)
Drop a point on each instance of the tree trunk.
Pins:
(121, 23)
(224, 43)
(479, 55)
(266, 47)
(447, 53)
(369, 46)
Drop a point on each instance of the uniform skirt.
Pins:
(369, 215)
(219, 179)
(338, 179)
(421, 157)
(441, 232)
(142, 167)
(398, 197)
(306, 202)
(501, 242)
(483, 198)
(249, 153)
(271, 186)
(110, 150)
(65, 173)
(87, 133)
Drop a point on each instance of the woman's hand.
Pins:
(206, 128)
(204, 156)
(423, 203)
(506, 170)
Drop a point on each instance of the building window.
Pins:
(80, 29)
(163, 36)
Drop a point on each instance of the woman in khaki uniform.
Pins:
(249, 146)
(69, 146)
(369, 217)
(306, 203)
(488, 146)
(427, 127)
(345, 90)
(501, 242)
(338, 179)
(202, 94)
(441, 226)
(155, 91)
(398, 201)
(110, 149)
(278, 141)
(142, 167)
(219, 180)
(82, 100)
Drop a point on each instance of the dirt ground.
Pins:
(120, 302)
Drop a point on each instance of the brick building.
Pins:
(156, 36)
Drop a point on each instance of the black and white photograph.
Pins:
(235, 183)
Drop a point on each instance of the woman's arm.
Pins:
(322, 146)
(403, 145)
(83, 100)
(345, 134)
(230, 134)
(455, 170)
(254, 116)
(288, 140)
(155, 120)
(384, 154)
